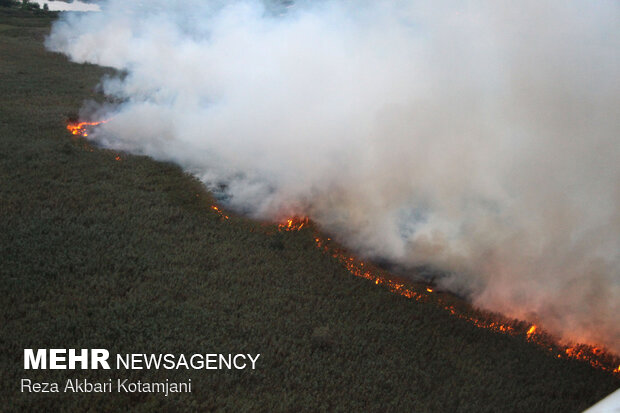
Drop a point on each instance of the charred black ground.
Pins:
(127, 255)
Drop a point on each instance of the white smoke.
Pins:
(479, 137)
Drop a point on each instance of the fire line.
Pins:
(595, 356)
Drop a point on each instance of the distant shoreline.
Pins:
(61, 5)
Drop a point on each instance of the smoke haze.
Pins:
(479, 137)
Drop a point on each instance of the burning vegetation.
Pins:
(81, 128)
(218, 211)
(595, 356)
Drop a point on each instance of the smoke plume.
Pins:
(480, 138)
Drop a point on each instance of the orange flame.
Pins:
(531, 331)
(219, 211)
(80, 128)
(293, 224)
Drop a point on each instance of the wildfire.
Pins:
(531, 331)
(293, 224)
(219, 211)
(592, 355)
(81, 128)
(595, 356)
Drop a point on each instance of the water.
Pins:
(73, 6)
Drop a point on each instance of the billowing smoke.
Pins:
(480, 138)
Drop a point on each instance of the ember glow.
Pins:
(595, 356)
(218, 211)
(81, 128)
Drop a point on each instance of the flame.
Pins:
(219, 211)
(531, 331)
(80, 128)
(293, 224)
(595, 356)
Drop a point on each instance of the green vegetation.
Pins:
(27, 5)
(127, 255)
